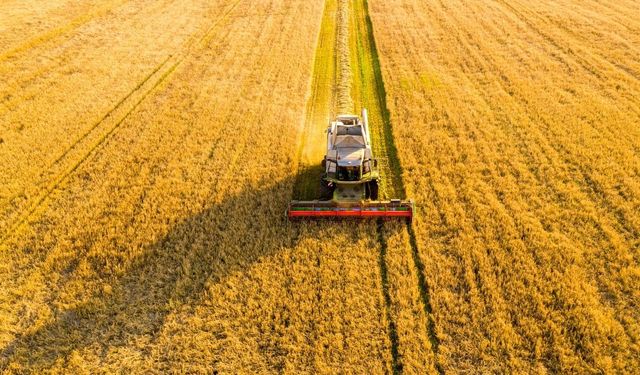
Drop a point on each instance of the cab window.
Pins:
(348, 173)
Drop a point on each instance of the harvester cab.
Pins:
(349, 183)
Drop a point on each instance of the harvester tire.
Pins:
(326, 191)
(372, 190)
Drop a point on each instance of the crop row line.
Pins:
(396, 361)
(343, 64)
(39, 201)
(53, 186)
(594, 190)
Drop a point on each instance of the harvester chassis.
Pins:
(349, 183)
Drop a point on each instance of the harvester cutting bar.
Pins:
(394, 208)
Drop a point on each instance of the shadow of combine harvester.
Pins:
(166, 276)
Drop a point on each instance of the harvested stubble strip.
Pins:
(343, 59)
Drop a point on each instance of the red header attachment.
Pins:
(394, 208)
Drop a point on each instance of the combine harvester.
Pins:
(350, 179)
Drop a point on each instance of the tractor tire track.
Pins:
(112, 113)
(396, 357)
(63, 177)
(372, 91)
(320, 102)
(162, 72)
(187, 46)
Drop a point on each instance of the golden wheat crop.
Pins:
(161, 242)
(516, 125)
(148, 151)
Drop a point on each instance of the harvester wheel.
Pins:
(372, 190)
(326, 190)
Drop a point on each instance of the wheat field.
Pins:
(148, 150)
(517, 128)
